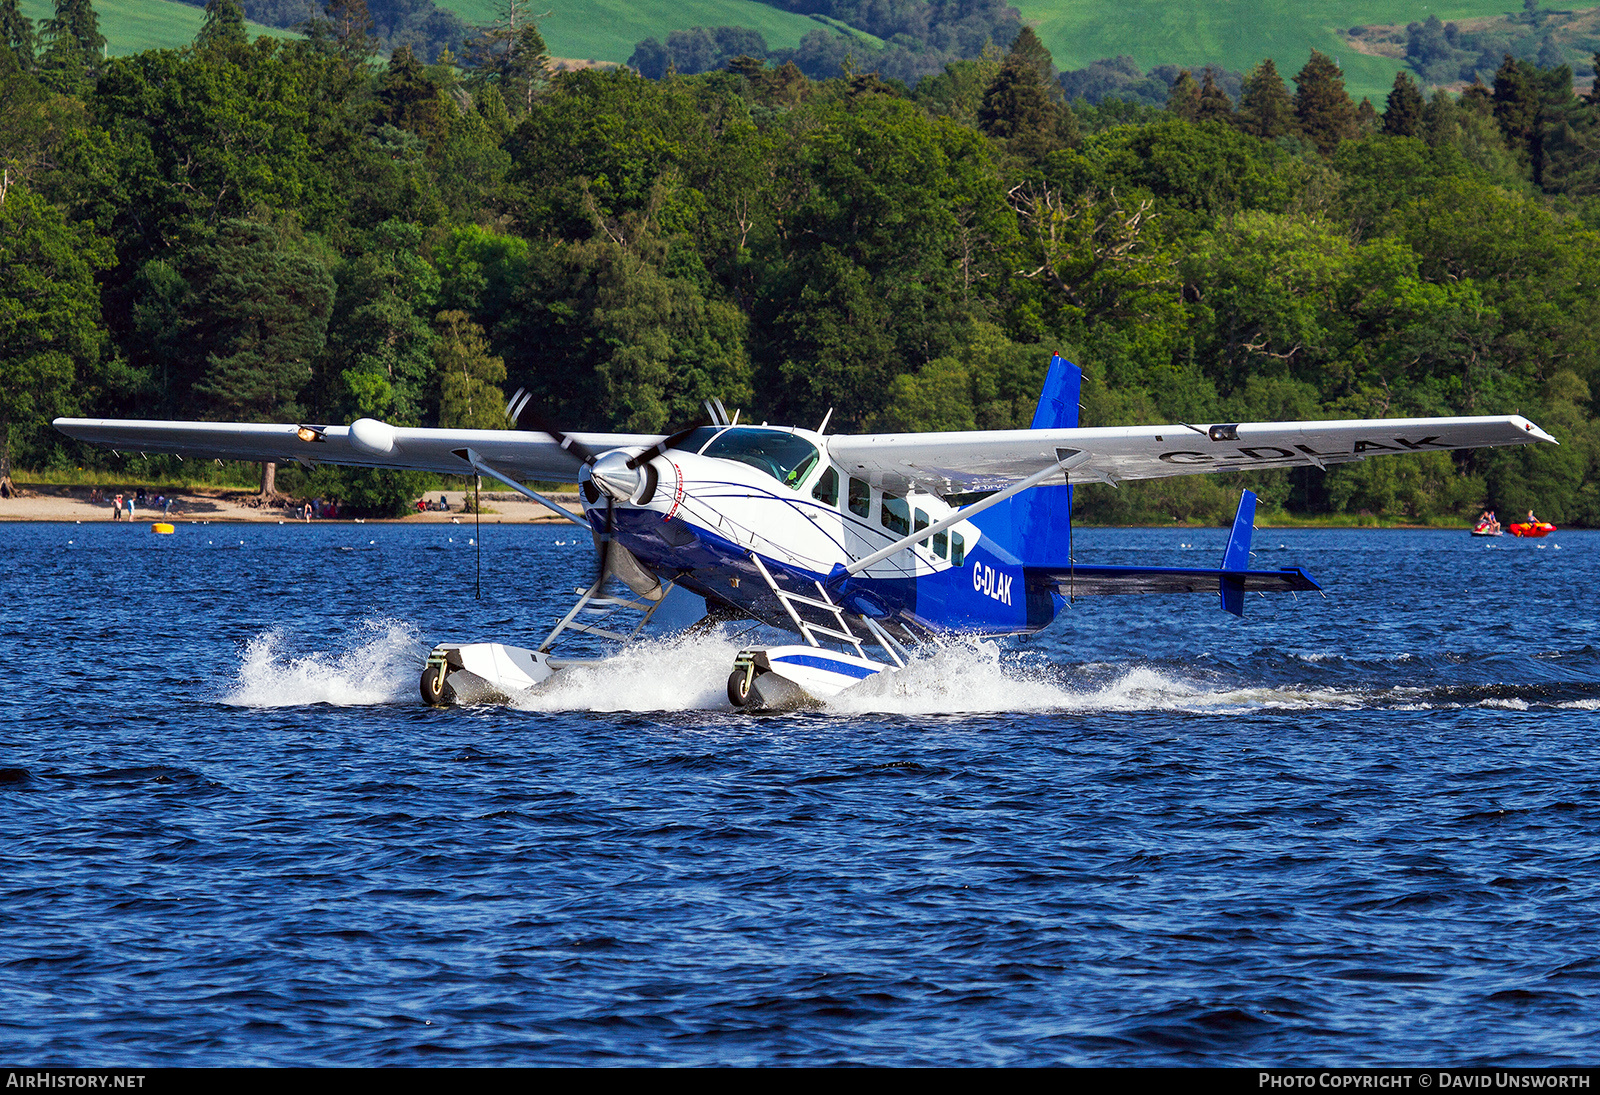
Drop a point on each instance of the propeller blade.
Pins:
(520, 407)
(660, 447)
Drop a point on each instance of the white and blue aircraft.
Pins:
(848, 541)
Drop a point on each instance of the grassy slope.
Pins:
(134, 25)
(607, 30)
(1235, 33)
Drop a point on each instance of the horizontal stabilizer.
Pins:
(1100, 581)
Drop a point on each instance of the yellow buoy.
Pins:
(163, 528)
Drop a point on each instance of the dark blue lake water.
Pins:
(1359, 830)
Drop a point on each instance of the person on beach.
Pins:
(308, 513)
(116, 508)
(129, 504)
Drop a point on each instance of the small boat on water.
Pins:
(1487, 526)
(1532, 529)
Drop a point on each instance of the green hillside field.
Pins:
(1236, 33)
(607, 30)
(134, 25)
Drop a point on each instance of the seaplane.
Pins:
(858, 546)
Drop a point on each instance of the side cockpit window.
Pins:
(860, 497)
(827, 489)
(896, 515)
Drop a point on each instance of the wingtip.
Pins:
(1534, 431)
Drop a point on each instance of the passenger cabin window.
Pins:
(941, 544)
(922, 523)
(827, 489)
(958, 550)
(860, 497)
(896, 516)
(786, 457)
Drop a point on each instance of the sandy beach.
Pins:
(55, 503)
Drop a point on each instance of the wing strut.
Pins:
(1067, 459)
(479, 466)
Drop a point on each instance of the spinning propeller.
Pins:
(613, 474)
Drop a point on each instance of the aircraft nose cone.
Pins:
(612, 475)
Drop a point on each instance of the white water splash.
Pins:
(379, 660)
(972, 676)
(377, 663)
(685, 673)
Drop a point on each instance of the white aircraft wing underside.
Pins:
(366, 443)
(951, 463)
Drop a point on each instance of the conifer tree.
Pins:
(75, 44)
(1321, 105)
(1439, 123)
(1478, 98)
(1367, 120)
(16, 33)
(1029, 50)
(223, 26)
(410, 97)
(346, 31)
(1184, 97)
(1214, 102)
(76, 19)
(260, 318)
(1516, 103)
(1265, 109)
(511, 54)
(1017, 105)
(1402, 114)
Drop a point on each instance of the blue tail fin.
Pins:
(1236, 557)
(1036, 526)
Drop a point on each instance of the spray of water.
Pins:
(377, 662)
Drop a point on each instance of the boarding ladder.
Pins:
(592, 601)
(839, 631)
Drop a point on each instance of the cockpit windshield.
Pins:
(782, 455)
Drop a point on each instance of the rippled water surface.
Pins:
(1359, 830)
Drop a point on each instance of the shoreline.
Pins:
(221, 505)
(239, 505)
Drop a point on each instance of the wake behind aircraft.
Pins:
(850, 542)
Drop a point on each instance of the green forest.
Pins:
(304, 229)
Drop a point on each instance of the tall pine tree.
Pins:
(1017, 105)
(1402, 114)
(74, 47)
(1321, 106)
(1265, 109)
(1214, 102)
(16, 34)
(223, 25)
(1183, 99)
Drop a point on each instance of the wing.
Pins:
(949, 463)
(363, 443)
